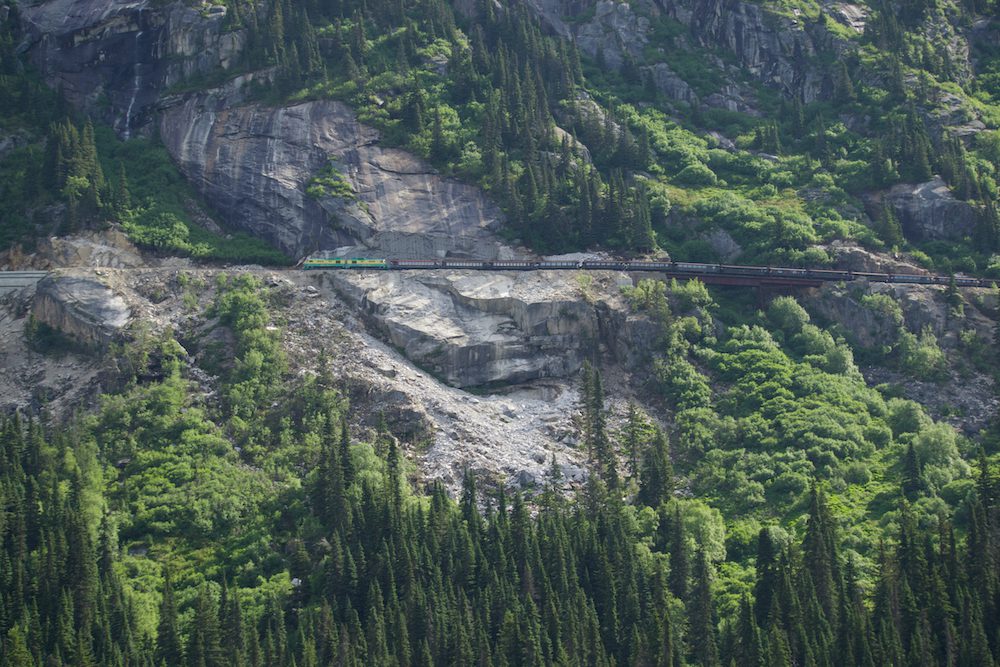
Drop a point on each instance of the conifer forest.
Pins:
(211, 458)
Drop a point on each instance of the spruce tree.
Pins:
(656, 480)
(913, 481)
(679, 558)
(702, 636)
(168, 639)
(821, 553)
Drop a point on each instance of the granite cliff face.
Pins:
(474, 329)
(81, 307)
(114, 58)
(774, 49)
(254, 165)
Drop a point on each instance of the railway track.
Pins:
(716, 274)
(15, 280)
(719, 274)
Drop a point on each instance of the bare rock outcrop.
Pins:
(113, 59)
(81, 307)
(868, 326)
(850, 257)
(871, 324)
(476, 329)
(254, 165)
(929, 211)
(110, 249)
(774, 49)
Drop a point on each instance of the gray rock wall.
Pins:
(477, 329)
(254, 164)
(929, 211)
(774, 49)
(113, 59)
(81, 307)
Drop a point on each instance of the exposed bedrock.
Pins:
(929, 211)
(80, 307)
(254, 165)
(113, 59)
(869, 325)
(473, 329)
(774, 49)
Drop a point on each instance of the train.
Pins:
(680, 269)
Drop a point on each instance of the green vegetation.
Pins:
(481, 98)
(330, 183)
(71, 175)
(491, 99)
(762, 409)
(252, 529)
(776, 511)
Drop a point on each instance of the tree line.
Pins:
(384, 574)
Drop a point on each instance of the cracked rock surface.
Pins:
(254, 165)
(473, 328)
(81, 306)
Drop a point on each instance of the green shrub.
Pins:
(856, 472)
(905, 416)
(920, 356)
(885, 306)
(330, 183)
(696, 175)
(786, 314)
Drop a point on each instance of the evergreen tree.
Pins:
(888, 228)
(168, 638)
(913, 481)
(656, 480)
(679, 557)
(204, 639)
(704, 648)
(821, 553)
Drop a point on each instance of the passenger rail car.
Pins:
(792, 275)
(347, 263)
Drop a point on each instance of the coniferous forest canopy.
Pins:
(142, 535)
(790, 514)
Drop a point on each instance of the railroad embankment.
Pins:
(520, 339)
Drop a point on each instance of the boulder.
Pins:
(670, 84)
(723, 245)
(80, 307)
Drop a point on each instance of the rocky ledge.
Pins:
(929, 211)
(475, 329)
(81, 307)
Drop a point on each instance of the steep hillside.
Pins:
(213, 458)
